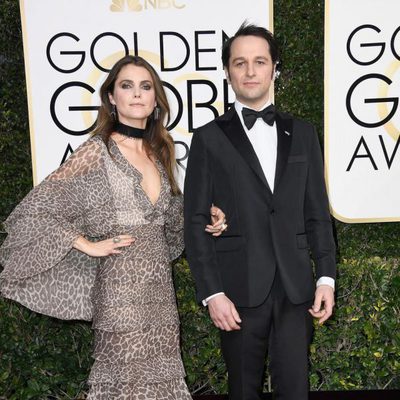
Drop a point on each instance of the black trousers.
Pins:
(277, 328)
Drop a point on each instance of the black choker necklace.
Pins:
(130, 131)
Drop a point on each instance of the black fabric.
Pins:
(250, 116)
(277, 328)
(269, 231)
(129, 131)
(264, 227)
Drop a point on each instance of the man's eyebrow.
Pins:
(237, 58)
(243, 58)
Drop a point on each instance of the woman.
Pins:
(94, 241)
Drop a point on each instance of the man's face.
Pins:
(250, 70)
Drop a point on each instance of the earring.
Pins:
(277, 71)
(157, 113)
(114, 112)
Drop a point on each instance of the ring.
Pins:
(117, 239)
(223, 226)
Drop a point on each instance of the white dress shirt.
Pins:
(264, 139)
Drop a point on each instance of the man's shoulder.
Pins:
(208, 127)
(214, 125)
(297, 124)
(290, 117)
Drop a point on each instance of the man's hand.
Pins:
(323, 303)
(223, 313)
(218, 220)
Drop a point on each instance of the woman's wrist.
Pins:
(82, 244)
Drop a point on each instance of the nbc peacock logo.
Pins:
(126, 5)
(140, 5)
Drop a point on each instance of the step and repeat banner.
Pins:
(362, 115)
(70, 45)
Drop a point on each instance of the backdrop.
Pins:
(358, 349)
(362, 115)
(67, 58)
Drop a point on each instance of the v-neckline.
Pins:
(139, 175)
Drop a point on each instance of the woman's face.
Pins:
(133, 95)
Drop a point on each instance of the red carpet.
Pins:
(348, 395)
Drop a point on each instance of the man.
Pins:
(265, 171)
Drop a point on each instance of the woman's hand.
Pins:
(218, 221)
(103, 247)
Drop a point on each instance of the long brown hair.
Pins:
(157, 140)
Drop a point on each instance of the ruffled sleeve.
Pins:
(41, 269)
(174, 226)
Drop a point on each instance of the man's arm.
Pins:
(200, 245)
(318, 226)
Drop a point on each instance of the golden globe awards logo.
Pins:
(362, 110)
(387, 106)
(68, 63)
(64, 47)
(140, 5)
(191, 90)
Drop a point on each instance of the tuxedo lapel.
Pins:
(285, 132)
(233, 129)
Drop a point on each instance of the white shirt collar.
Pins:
(239, 106)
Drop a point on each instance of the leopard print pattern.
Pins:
(167, 390)
(130, 296)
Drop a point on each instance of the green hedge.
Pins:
(358, 349)
(43, 358)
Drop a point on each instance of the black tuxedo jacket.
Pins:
(265, 230)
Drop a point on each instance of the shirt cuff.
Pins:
(326, 280)
(205, 301)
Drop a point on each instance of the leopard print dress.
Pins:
(129, 296)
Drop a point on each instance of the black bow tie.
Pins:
(250, 116)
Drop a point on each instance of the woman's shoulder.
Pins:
(87, 157)
(94, 143)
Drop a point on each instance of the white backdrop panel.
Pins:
(69, 43)
(362, 117)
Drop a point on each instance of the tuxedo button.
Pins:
(272, 212)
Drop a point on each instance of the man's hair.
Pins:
(251, 30)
